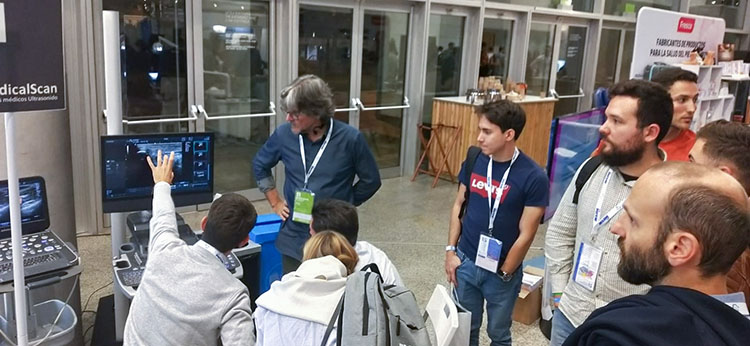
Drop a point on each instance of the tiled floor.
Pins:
(407, 220)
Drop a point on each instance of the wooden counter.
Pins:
(455, 111)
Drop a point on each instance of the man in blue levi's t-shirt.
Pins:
(483, 262)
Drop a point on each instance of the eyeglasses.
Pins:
(294, 114)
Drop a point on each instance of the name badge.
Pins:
(303, 205)
(587, 266)
(488, 253)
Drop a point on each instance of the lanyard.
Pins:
(222, 257)
(598, 222)
(501, 189)
(308, 173)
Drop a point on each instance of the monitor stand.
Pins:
(138, 221)
(138, 225)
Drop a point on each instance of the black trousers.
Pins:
(289, 264)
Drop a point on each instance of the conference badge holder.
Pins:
(303, 205)
(587, 266)
(488, 253)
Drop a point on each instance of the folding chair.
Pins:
(436, 164)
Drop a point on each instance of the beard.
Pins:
(639, 266)
(631, 151)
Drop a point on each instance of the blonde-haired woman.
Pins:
(297, 309)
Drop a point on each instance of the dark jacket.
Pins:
(667, 315)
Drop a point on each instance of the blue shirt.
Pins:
(527, 186)
(346, 156)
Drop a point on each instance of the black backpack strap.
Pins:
(471, 158)
(337, 314)
(583, 176)
(371, 267)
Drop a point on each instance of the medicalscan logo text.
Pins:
(2, 23)
(686, 25)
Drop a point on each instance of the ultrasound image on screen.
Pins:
(127, 173)
(32, 203)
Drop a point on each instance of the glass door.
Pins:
(616, 46)
(539, 58)
(382, 95)
(557, 50)
(567, 67)
(361, 52)
(233, 64)
(325, 48)
(445, 48)
(497, 37)
(156, 83)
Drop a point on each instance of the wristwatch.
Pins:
(450, 248)
(505, 276)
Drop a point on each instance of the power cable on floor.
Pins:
(85, 306)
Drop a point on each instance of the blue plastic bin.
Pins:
(264, 234)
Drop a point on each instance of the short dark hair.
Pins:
(669, 76)
(721, 225)
(505, 114)
(310, 95)
(230, 219)
(729, 141)
(336, 215)
(654, 103)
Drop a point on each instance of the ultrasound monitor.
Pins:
(127, 182)
(34, 212)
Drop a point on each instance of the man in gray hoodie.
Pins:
(187, 296)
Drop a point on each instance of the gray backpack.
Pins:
(370, 314)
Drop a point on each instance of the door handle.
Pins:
(193, 116)
(352, 108)
(362, 107)
(271, 106)
(554, 94)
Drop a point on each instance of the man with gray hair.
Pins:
(321, 157)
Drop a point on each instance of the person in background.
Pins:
(297, 309)
(341, 217)
(726, 146)
(682, 228)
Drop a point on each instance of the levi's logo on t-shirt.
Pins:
(479, 186)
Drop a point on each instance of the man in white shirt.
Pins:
(340, 216)
(187, 296)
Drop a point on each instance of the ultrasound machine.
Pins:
(127, 186)
(43, 250)
(47, 260)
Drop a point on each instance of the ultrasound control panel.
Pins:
(130, 266)
(43, 252)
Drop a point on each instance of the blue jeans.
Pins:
(475, 285)
(561, 329)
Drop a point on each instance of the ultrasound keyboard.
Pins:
(131, 264)
(43, 252)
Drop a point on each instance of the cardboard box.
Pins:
(529, 303)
